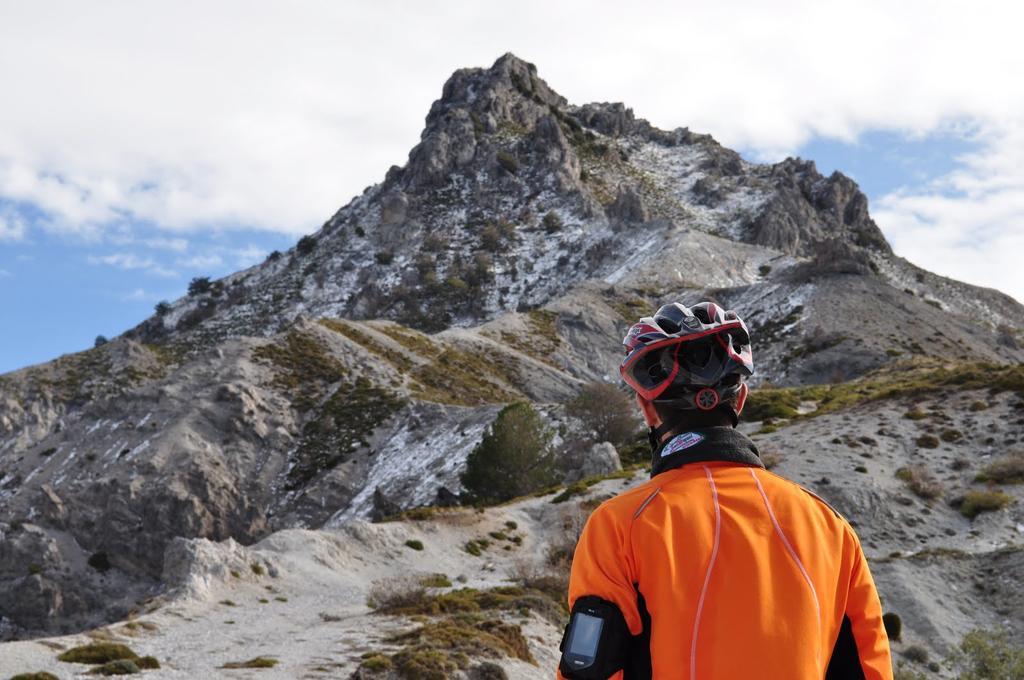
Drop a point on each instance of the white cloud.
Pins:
(270, 115)
(178, 245)
(130, 261)
(250, 255)
(5, 274)
(137, 295)
(12, 228)
(208, 261)
(968, 224)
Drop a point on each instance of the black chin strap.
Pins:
(655, 434)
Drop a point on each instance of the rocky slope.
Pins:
(350, 377)
(301, 597)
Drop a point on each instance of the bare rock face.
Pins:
(628, 207)
(808, 208)
(600, 459)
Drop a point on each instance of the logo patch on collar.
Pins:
(682, 441)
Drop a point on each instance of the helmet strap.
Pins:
(655, 434)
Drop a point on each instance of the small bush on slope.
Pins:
(1008, 469)
(606, 411)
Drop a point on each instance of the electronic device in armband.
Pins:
(594, 645)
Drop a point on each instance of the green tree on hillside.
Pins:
(514, 458)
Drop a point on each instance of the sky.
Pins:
(143, 144)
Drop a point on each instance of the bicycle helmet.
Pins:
(688, 357)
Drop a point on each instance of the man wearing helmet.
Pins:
(715, 568)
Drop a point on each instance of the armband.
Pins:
(595, 643)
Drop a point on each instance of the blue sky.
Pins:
(142, 144)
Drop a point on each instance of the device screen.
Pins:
(586, 633)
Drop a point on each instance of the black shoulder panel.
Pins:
(638, 665)
(845, 662)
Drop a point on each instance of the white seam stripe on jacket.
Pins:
(646, 502)
(792, 553)
(707, 576)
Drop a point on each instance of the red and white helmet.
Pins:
(691, 357)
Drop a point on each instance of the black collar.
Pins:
(705, 445)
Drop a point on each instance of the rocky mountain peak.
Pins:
(352, 375)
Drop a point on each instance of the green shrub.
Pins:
(257, 662)
(477, 546)
(488, 670)
(916, 653)
(1008, 469)
(920, 481)
(436, 581)
(414, 544)
(513, 459)
(508, 162)
(951, 435)
(97, 653)
(147, 663)
(893, 626)
(985, 655)
(975, 502)
(306, 245)
(764, 270)
(375, 662)
(46, 453)
(511, 525)
(199, 285)
(927, 441)
(384, 257)
(915, 414)
(490, 238)
(257, 568)
(41, 675)
(552, 222)
(119, 667)
(978, 406)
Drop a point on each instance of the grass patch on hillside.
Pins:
(303, 367)
(345, 423)
(408, 597)
(976, 502)
(393, 357)
(464, 378)
(920, 377)
(120, 667)
(439, 649)
(97, 653)
(256, 662)
(541, 339)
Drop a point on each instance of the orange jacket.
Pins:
(744, 574)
